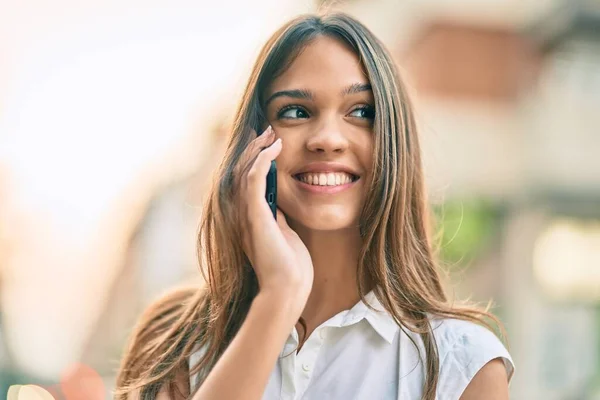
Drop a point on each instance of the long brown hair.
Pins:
(397, 254)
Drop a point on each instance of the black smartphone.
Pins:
(271, 192)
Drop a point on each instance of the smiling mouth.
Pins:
(326, 178)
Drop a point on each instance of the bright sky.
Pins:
(92, 95)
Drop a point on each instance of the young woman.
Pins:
(340, 297)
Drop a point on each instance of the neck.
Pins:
(334, 256)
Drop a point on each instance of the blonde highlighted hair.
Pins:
(397, 253)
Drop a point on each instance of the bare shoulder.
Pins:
(475, 364)
(490, 382)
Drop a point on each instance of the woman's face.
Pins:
(323, 108)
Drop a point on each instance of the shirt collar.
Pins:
(379, 319)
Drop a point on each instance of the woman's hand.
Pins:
(280, 259)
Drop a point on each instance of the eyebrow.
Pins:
(357, 88)
(308, 95)
(295, 94)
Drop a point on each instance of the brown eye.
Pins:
(365, 112)
(292, 112)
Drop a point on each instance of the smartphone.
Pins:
(271, 192)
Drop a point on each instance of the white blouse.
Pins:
(363, 354)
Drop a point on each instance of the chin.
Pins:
(323, 220)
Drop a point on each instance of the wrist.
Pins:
(288, 301)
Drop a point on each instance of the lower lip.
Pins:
(325, 189)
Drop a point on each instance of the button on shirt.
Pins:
(362, 354)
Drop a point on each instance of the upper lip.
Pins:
(325, 167)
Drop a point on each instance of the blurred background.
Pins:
(113, 116)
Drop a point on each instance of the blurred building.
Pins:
(507, 95)
(510, 114)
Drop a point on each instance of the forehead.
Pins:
(325, 63)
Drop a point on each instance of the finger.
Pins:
(254, 148)
(266, 132)
(261, 142)
(249, 154)
(267, 136)
(257, 175)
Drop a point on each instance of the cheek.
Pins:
(288, 156)
(366, 154)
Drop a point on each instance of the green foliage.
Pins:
(466, 229)
(595, 381)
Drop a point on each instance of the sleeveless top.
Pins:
(363, 354)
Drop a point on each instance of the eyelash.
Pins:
(283, 109)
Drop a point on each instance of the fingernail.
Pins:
(269, 130)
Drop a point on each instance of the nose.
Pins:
(328, 138)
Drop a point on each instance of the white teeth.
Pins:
(326, 179)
